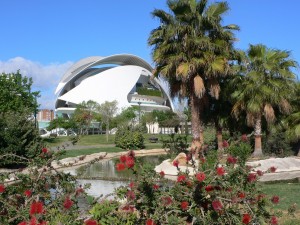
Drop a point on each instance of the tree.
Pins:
(18, 133)
(107, 111)
(264, 88)
(191, 49)
(84, 114)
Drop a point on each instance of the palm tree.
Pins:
(192, 50)
(265, 86)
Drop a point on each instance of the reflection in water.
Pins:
(104, 178)
(101, 187)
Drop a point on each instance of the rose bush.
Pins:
(225, 192)
(221, 191)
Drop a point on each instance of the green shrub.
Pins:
(175, 144)
(241, 150)
(129, 138)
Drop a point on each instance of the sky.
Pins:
(43, 39)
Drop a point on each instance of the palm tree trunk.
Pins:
(257, 134)
(196, 125)
(219, 138)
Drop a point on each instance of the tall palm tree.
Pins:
(265, 86)
(192, 50)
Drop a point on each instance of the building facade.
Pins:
(125, 78)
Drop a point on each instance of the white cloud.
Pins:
(45, 77)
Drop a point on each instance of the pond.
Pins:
(103, 176)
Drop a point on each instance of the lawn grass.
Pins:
(288, 193)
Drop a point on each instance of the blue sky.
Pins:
(43, 38)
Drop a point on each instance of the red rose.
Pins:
(129, 162)
(176, 163)
(184, 205)
(130, 195)
(274, 220)
(27, 193)
(22, 223)
(200, 176)
(181, 178)
(272, 169)
(68, 203)
(225, 144)
(131, 185)
(259, 173)
(246, 218)
(220, 171)
(231, 160)
(120, 166)
(155, 186)
(44, 150)
(162, 173)
(209, 188)
(123, 158)
(251, 177)
(91, 222)
(36, 208)
(2, 188)
(275, 199)
(241, 195)
(150, 222)
(217, 205)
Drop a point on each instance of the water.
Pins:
(104, 178)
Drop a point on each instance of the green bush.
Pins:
(129, 138)
(241, 150)
(175, 144)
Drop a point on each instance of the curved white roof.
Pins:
(83, 82)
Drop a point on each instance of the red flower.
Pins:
(259, 173)
(129, 162)
(244, 138)
(123, 158)
(155, 186)
(275, 199)
(272, 169)
(131, 185)
(251, 177)
(209, 188)
(120, 166)
(225, 144)
(217, 205)
(162, 173)
(130, 195)
(150, 222)
(200, 176)
(90, 222)
(231, 160)
(36, 208)
(44, 150)
(184, 205)
(68, 203)
(246, 218)
(241, 195)
(181, 178)
(274, 220)
(166, 200)
(33, 221)
(2, 188)
(176, 163)
(22, 223)
(220, 171)
(188, 157)
(27, 193)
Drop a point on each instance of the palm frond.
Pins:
(269, 113)
(199, 87)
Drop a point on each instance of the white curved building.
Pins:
(124, 78)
